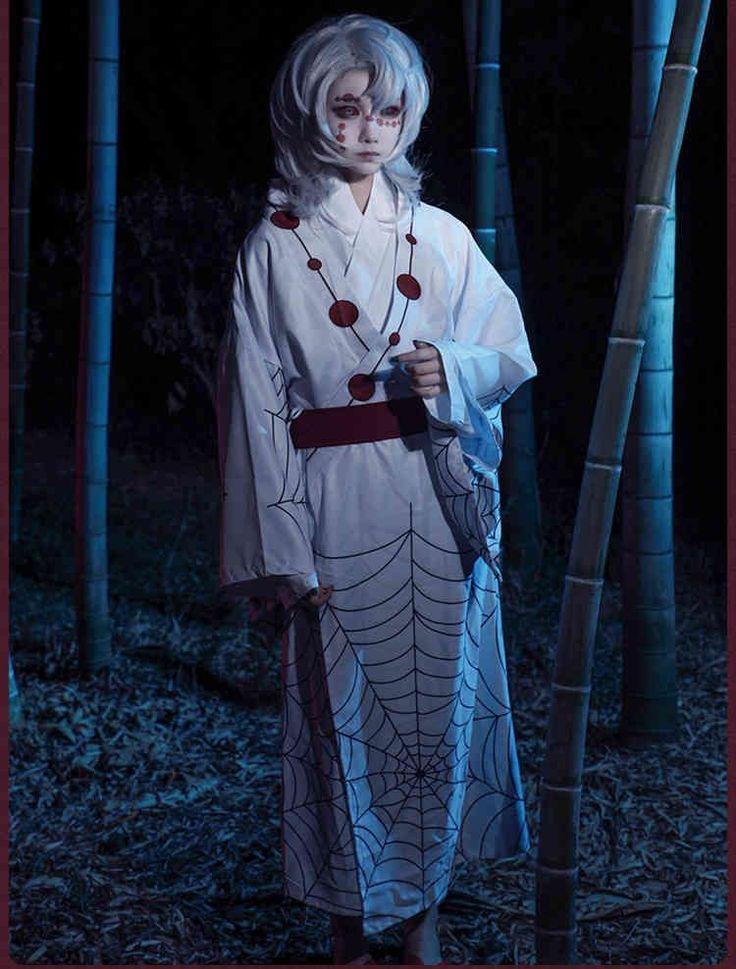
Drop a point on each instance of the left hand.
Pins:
(318, 597)
(425, 367)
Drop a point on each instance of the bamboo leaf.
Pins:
(620, 911)
(45, 881)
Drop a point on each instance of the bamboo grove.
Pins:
(636, 374)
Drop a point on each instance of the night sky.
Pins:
(194, 109)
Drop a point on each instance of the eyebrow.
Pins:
(346, 97)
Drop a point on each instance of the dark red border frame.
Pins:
(5, 959)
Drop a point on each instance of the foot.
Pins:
(349, 946)
(421, 941)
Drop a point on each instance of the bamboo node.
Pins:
(561, 787)
(603, 464)
(583, 581)
(653, 206)
(685, 68)
(627, 339)
(570, 689)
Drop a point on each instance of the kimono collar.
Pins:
(340, 208)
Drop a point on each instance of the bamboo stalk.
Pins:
(561, 785)
(16, 717)
(92, 613)
(20, 224)
(522, 526)
(520, 494)
(649, 688)
(486, 99)
(470, 34)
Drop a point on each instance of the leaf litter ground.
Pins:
(144, 799)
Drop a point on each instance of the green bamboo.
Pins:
(20, 234)
(522, 526)
(486, 98)
(649, 690)
(521, 508)
(561, 785)
(92, 612)
(470, 32)
(15, 705)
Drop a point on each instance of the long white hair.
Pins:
(306, 155)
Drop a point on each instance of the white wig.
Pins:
(306, 154)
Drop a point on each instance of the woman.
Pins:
(361, 376)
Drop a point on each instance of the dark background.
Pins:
(194, 110)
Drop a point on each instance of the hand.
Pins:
(425, 367)
(319, 596)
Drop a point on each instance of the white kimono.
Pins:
(398, 746)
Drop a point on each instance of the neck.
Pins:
(360, 186)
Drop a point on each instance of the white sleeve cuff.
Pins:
(448, 407)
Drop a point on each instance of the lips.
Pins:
(368, 154)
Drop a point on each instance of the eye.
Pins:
(346, 111)
(392, 111)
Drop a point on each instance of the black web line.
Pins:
(375, 604)
(417, 780)
(365, 551)
(396, 731)
(416, 684)
(346, 588)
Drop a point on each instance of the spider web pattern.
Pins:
(494, 399)
(471, 499)
(292, 497)
(398, 746)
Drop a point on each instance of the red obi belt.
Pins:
(333, 426)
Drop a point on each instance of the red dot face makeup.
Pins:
(366, 138)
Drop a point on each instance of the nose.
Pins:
(368, 128)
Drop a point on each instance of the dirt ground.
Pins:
(144, 800)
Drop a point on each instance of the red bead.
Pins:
(340, 137)
(343, 312)
(284, 220)
(314, 264)
(410, 239)
(361, 386)
(393, 339)
(409, 286)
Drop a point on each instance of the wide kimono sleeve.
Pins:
(265, 523)
(486, 359)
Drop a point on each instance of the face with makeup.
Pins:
(366, 139)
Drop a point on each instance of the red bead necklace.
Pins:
(344, 313)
